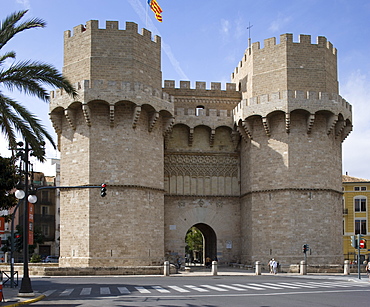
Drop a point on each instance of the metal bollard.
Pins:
(303, 268)
(166, 269)
(214, 268)
(346, 268)
(258, 267)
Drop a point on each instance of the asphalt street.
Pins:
(203, 290)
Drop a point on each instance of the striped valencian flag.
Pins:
(154, 6)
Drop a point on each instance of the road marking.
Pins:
(214, 288)
(49, 292)
(85, 291)
(283, 286)
(124, 290)
(266, 286)
(248, 287)
(232, 287)
(160, 289)
(196, 288)
(104, 290)
(142, 290)
(176, 288)
(299, 284)
(66, 292)
(341, 284)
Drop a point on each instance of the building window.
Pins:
(360, 227)
(199, 110)
(363, 188)
(45, 230)
(360, 204)
(44, 196)
(44, 210)
(357, 188)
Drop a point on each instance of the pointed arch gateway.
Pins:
(209, 241)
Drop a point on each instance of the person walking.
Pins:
(270, 265)
(274, 266)
(368, 269)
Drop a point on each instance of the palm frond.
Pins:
(9, 26)
(29, 77)
(15, 117)
(8, 55)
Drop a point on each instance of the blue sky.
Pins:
(204, 41)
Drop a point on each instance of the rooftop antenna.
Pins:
(249, 37)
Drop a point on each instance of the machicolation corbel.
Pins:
(137, 111)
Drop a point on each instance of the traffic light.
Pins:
(18, 244)
(354, 241)
(103, 190)
(304, 248)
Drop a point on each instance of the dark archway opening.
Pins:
(201, 243)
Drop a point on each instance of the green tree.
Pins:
(29, 77)
(194, 242)
(8, 180)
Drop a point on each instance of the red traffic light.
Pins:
(103, 190)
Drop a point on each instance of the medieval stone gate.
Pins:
(256, 165)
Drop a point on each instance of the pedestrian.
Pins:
(368, 270)
(270, 265)
(208, 262)
(274, 266)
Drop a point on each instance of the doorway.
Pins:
(201, 242)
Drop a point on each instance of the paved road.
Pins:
(201, 291)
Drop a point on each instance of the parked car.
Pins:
(50, 259)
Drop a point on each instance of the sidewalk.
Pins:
(11, 297)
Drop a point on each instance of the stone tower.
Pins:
(114, 134)
(293, 122)
(256, 167)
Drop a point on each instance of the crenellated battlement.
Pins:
(92, 53)
(213, 118)
(287, 65)
(287, 38)
(112, 92)
(92, 26)
(202, 113)
(288, 101)
(199, 85)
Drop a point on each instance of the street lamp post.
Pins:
(12, 284)
(26, 287)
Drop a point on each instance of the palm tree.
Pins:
(31, 78)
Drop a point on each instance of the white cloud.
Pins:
(225, 27)
(356, 148)
(279, 23)
(25, 3)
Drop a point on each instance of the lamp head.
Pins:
(19, 194)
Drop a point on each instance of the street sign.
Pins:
(362, 244)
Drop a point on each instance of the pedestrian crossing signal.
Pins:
(103, 190)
